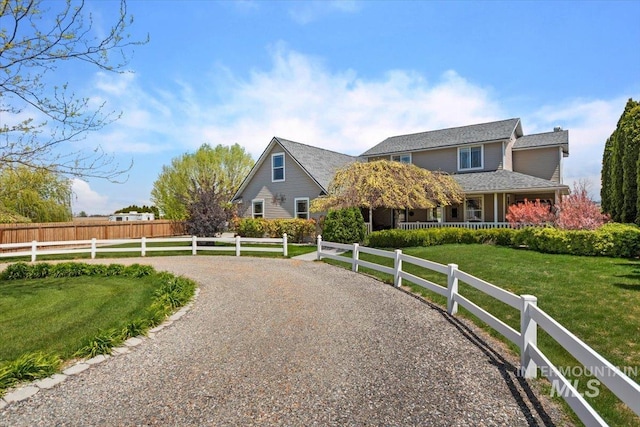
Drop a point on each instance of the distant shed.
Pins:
(132, 216)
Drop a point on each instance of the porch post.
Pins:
(495, 208)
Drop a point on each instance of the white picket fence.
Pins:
(531, 317)
(143, 246)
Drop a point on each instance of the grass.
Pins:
(598, 299)
(54, 315)
(55, 312)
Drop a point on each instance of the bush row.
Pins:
(22, 270)
(298, 230)
(612, 240)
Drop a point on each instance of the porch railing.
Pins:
(471, 225)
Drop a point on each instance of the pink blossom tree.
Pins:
(531, 213)
(577, 211)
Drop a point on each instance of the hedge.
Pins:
(612, 240)
(298, 230)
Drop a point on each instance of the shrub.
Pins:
(439, 236)
(532, 213)
(613, 240)
(297, 229)
(250, 227)
(344, 226)
(17, 271)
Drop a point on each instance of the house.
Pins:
(132, 216)
(495, 164)
(286, 177)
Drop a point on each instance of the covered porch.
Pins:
(486, 202)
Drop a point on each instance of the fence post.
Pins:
(143, 246)
(529, 336)
(285, 249)
(34, 249)
(237, 245)
(93, 248)
(397, 268)
(355, 257)
(319, 247)
(452, 288)
(194, 245)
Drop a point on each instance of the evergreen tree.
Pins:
(620, 167)
(630, 137)
(606, 177)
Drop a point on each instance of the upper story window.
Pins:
(470, 157)
(277, 167)
(402, 158)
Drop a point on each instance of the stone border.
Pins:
(25, 391)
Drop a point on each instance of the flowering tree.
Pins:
(577, 211)
(532, 213)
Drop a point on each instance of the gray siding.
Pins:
(540, 162)
(446, 159)
(296, 184)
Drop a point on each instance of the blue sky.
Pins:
(345, 75)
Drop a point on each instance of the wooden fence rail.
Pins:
(532, 317)
(104, 230)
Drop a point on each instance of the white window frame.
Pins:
(398, 158)
(295, 207)
(253, 208)
(466, 210)
(273, 167)
(469, 148)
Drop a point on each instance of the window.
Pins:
(277, 167)
(402, 158)
(473, 209)
(257, 208)
(470, 158)
(302, 207)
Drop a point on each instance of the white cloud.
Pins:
(87, 200)
(300, 98)
(306, 12)
(590, 123)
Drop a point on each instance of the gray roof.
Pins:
(503, 180)
(484, 132)
(320, 164)
(538, 140)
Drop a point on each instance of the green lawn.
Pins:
(598, 299)
(55, 315)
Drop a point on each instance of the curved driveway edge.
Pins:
(287, 342)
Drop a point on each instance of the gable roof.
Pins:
(504, 180)
(483, 132)
(320, 164)
(558, 138)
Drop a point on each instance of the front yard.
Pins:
(598, 299)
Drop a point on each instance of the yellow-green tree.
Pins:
(39, 195)
(226, 165)
(386, 184)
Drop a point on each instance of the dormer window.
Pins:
(470, 158)
(277, 167)
(402, 158)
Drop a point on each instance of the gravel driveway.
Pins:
(288, 342)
